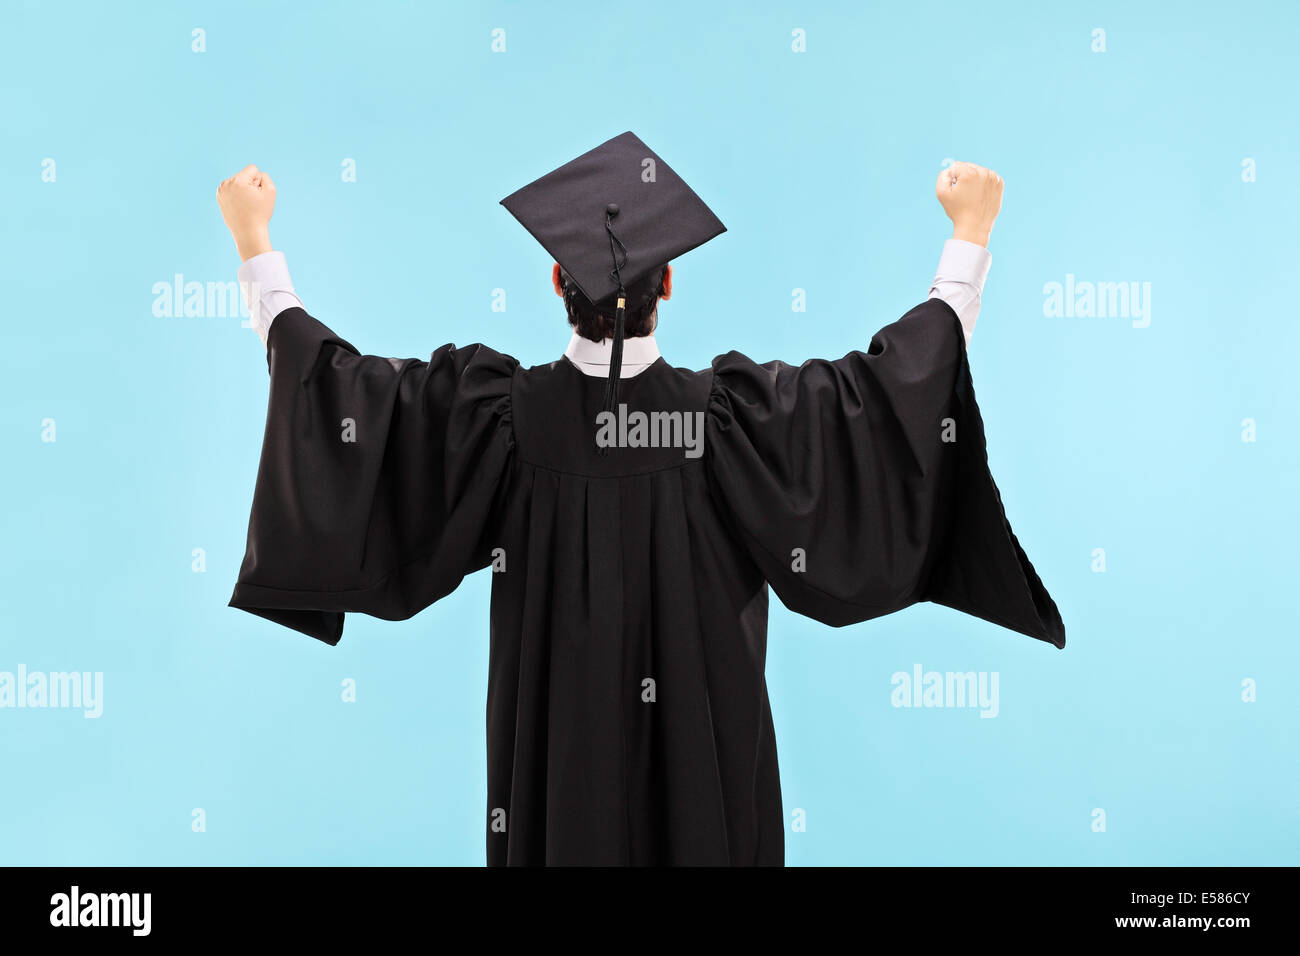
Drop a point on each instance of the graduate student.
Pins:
(634, 514)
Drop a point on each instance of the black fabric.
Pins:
(639, 565)
(392, 521)
(659, 217)
(847, 461)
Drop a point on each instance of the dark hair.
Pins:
(596, 322)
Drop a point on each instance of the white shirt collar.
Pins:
(592, 358)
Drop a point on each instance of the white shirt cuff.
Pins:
(268, 290)
(959, 280)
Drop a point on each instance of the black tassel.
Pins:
(615, 363)
(616, 347)
(615, 358)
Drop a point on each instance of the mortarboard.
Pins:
(610, 218)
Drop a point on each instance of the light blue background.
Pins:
(1122, 166)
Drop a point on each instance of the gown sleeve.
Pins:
(378, 478)
(862, 486)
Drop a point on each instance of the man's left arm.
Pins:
(268, 290)
(247, 200)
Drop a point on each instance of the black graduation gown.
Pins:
(627, 712)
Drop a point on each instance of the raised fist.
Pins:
(247, 200)
(971, 196)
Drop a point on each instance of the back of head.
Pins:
(596, 321)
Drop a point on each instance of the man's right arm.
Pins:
(971, 196)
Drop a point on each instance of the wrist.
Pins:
(253, 243)
(976, 234)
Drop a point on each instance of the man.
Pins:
(633, 513)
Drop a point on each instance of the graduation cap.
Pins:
(610, 218)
